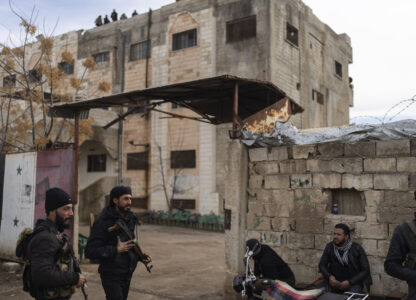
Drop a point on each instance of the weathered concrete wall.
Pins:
(290, 200)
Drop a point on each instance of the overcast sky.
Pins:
(383, 35)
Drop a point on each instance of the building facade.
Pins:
(182, 162)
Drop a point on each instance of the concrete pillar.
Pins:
(236, 201)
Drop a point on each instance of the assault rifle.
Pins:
(74, 262)
(120, 225)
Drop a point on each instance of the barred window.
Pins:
(97, 163)
(292, 34)
(317, 96)
(66, 68)
(102, 57)
(184, 40)
(139, 51)
(138, 161)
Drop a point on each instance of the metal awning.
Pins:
(212, 98)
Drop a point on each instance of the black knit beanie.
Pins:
(118, 191)
(55, 198)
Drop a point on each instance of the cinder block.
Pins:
(347, 165)
(358, 182)
(273, 239)
(393, 147)
(369, 245)
(300, 181)
(371, 231)
(331, 150)
(255, 182)
(282, 196)
(329, 180)
(256, 208)
(400, 199)
(391, 182)
(304, 151)
(300, 240)
(278, 153)
(406, 164)
(293, 166)
(317, 196)
(321, 240)
(304, 274)
(266, 168)
(318, 165)
(257, 223)
(360, 149)
(309, 225)
(373, 198)
(258, 154)
(277, 182)
(283, 224)
(309, 257)
(380, 165)
(395, 214)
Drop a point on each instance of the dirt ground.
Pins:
(187, 264)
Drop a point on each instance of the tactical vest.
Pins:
(63, 262)
(410, 234)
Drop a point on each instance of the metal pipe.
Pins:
(75, 189)
(235, 111)
(120, 123)
(149, 23)
(149, 157)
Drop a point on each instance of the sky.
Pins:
(383, 37)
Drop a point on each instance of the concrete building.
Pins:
(280, 41)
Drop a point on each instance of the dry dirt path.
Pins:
(188, 264)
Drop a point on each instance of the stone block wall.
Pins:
(290, 200)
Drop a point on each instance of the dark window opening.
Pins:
(102, 57)
(140, 202)
(338, 69)
(34, 75)
(317, 96)
(292, 34)
(348, 202)
(184, 40)
(241, 29)
(66, 68)
(96, 163)
(182, 159)
(139, 110)
(138, 161)
(139, 51)
(183, 203)
(176, 105)
(9, 81)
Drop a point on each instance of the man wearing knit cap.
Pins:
(49, 252)
(114, 248)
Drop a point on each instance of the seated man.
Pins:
(267, 264)
(344, 263)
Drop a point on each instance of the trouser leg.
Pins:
(412, 292)
(116, 288)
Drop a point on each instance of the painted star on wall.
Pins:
(15, 222)
(19, 170)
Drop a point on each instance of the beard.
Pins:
(340, 242)
(60, 223)
(123, 209)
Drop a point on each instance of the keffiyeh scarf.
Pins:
(344, 259)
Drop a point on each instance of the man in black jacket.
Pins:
(344, 263)
(268, 264)
(403, 250)
(114, 249)
(52, 269)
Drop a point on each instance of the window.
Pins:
(176, 105)
(184, 40)
(317, 96)
(183, 203)
(338, 69)
(241, 29)
(292, 34)
(139, 202)
(34, 76)
(66, 68)
(102, 57)
(139, 51)
(9, 81)
(349, 202)
(96, 163)
(182, 159)
(137, 161)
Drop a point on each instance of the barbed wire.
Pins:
(383, 119)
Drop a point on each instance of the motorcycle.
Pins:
(250, 287)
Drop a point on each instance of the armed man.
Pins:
(53, 272)
(401, 258)
(112, 242)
